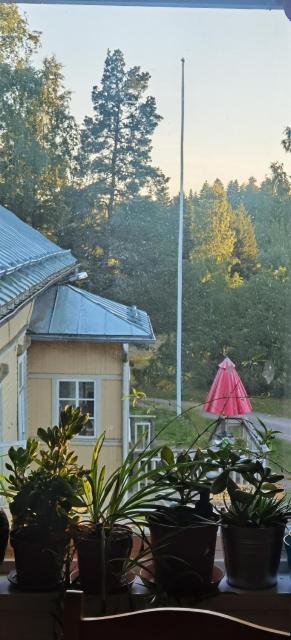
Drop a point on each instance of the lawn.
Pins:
(179, 431)
(184, 431)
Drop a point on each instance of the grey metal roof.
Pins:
(28, 262)
(65, 312)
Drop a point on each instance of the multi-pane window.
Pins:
(79, 393)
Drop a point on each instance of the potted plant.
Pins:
(253, 517)
(114, 507)
(184, 528)
(42, 489)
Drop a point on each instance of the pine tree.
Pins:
(116, 142)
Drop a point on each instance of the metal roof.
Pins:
(28, 262)
(64, 312)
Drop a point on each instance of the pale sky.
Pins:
(237, 71)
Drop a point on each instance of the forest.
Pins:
(92, 187)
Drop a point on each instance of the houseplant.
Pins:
(114, 506)
(42, 489)
(253, 517)
(183, 528)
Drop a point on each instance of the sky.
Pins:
(237, 76)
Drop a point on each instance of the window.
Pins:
(79, 393)
(22, 397)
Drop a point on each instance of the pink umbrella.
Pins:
(227, 395)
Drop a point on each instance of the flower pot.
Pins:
(252, 555)
(4, 534)
(287, 544)
(183, 556)
(102, 558)
(39, 558)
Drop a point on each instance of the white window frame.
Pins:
(21, 395)
(97, 401)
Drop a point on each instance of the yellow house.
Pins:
(60, 344)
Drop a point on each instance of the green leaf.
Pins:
(220, 483)
(167, 455)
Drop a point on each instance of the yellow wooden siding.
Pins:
(39, 410)
(111, 394)
(47, 361)
(75, 358)
(110, 456)
(12, 339)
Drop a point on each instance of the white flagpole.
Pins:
(180, 260)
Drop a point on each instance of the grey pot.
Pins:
(252, 555)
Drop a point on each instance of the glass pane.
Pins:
(86, 390)
(64, 403)
(67, 389)
(88, 430)
(87, 407)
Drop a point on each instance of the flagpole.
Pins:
(180, 259)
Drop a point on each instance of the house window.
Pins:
(79, 393)
(22, 396)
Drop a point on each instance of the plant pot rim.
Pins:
(35, 532)
(88, 530)
(228, 525)
(183, 527)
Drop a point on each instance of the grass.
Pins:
(177, 431)
(274, 406)
(281, 454)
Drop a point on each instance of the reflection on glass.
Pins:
(87, 407)
(88, 429)
(86, 390)
(64, 403)
(67, 389)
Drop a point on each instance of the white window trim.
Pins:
(97, 400)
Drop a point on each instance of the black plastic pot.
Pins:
(183, 555)
(102, 557)
(4, 534)
(39, 558)
(252, 555)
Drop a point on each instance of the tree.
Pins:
(214, 237)
(116, 141)
(233, 194)
(17, 42)
(245, 250)
(143, 256)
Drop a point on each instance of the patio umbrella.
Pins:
(227, 395)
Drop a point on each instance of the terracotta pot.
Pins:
(252, 555)
(183, 556)
(39, 558)
(101, 558)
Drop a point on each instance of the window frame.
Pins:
(22, 396)
(97, 400)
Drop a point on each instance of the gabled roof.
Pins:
(28, 262)
(65, 312)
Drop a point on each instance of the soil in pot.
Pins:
(102, 556)
(183, 551)
(252, 555)
(39, 557)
